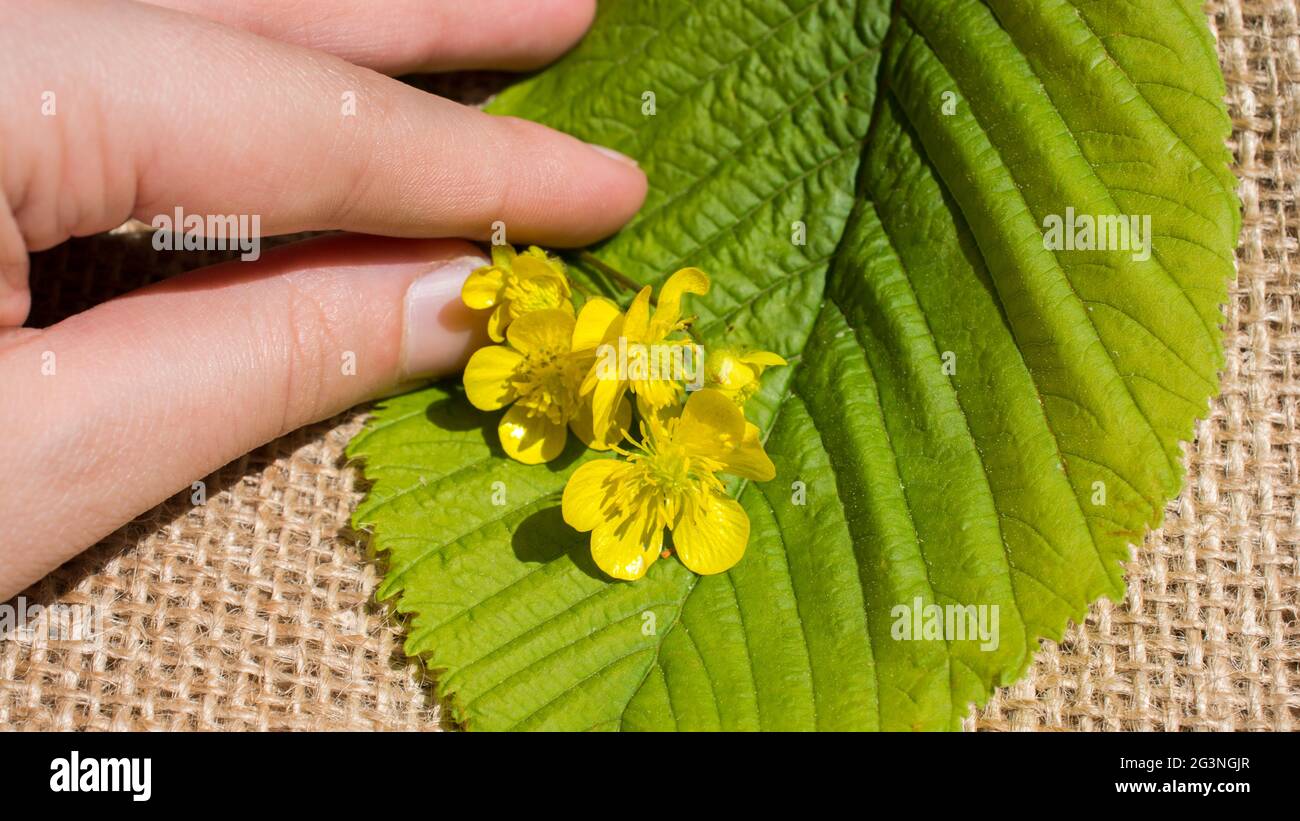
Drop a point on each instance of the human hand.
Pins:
(114, 109)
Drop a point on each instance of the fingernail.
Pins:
(614, 155)
(440, 331)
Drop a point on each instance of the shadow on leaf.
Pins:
(455, 413)
(544, 537)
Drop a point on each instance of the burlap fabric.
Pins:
(255, 610)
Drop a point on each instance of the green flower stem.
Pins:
(613, 274)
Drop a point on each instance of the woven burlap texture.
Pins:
(255, 609)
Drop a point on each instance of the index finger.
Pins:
(219, 121)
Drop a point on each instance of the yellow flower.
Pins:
(650, 333)
(515, 284)
(671, 483)
(540, 371)
(736, 373)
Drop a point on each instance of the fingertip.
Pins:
(613, 190)
(14, 306)
(626, 193)
(563, 192)
(15, 295)
(572, 19)
(539, 33)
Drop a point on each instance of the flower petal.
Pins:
(488, 377)
(582, 425)
(727, 370)
(553, 262)
(637, 320)
(749, 460)
(498, 321)
(503, 256)
(482, 288)
(711, 537)
(763, 359)
(531, 439)
(711, 424)
(625, 549)
(605, 399)
(669, 310)
(537, 330)
(597, 321)
(588, 490)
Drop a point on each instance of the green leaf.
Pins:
(972, 419)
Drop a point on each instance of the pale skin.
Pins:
(227, 108)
